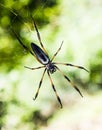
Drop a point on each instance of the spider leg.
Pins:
(34, 68)
(21, 41)
(68, 64)
(38, 35)
(39, 85)
(58, 98)
(70, 81)
(57, 52)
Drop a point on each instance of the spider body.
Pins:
(43, 58)
(49, 66)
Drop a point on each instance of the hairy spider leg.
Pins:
(56, 52)
(22, 42)
(68, 64)
(39, 85)
(70, 81)
(38, 35)
(58, 98)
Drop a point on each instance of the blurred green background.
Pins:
(77, 23)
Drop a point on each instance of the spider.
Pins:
(49, 66)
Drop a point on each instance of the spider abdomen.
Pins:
(40, 55)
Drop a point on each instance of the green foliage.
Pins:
(16, 14)
(3, 107)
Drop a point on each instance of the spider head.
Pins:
(51, 68)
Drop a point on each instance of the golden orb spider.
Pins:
(50, 67)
